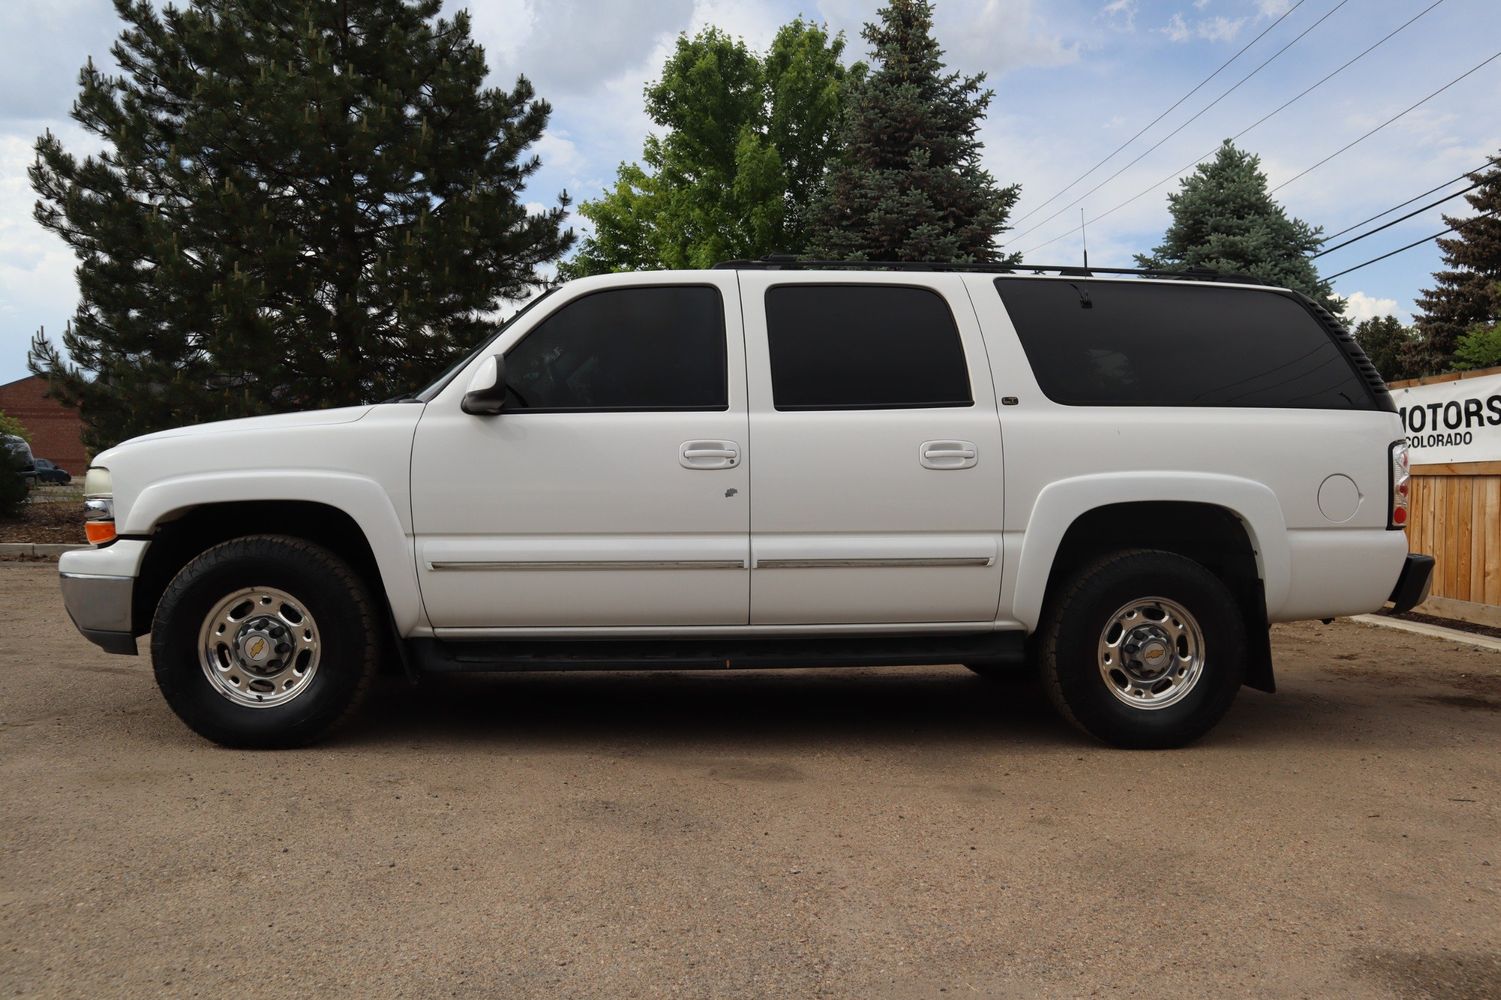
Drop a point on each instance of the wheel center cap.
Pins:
(257, 643)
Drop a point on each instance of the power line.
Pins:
(1409, 201)
(1384, 124)
(1403, 218)
(1285, 104)
(1196, 116)
(1326, 159)
(1415, 243)
(1176, 104)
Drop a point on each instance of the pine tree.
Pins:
(744, 141)
(300, 203)
(1224, 219)
(1386, 342)
(1468, 293)
(908, 183)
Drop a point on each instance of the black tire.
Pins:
(1076, 620)
(349, 633)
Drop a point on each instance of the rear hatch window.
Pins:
(1138, 343)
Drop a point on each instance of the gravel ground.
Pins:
(864, 833)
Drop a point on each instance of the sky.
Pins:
(1073, 81)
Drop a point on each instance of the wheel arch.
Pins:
(1232, 526)
(353, 517)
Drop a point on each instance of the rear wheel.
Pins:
(1143, 649)
(264, 641)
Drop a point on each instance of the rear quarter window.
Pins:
(1125, 343)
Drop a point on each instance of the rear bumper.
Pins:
(1413, 583)
(100, 607)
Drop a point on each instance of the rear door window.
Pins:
(859, 347)
(1137, 343)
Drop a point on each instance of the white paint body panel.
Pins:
(589, 524)
(513, 493)
(849, 485)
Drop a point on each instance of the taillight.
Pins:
(1401, 480)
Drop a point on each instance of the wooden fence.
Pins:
(1455, 516)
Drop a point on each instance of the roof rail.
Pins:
(787, 262)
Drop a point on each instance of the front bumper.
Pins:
(100, 607)
(1412, 584)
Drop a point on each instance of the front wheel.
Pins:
(265, 642)
(1144, 649)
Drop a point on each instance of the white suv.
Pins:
(1118, 482)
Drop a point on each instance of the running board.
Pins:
(462, 656)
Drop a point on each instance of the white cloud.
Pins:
(1360, 307)
(569, 46)
(1273, 8)
(37, 288)
(1209, 29)
(1220, 29)
(1120, 12)
(1201, 4)
(999, 36)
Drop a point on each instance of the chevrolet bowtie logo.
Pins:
(256, 648)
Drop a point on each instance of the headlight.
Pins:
(98, 507)
(96, 483)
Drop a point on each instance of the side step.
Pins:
(455, 656)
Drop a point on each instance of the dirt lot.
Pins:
(898, 833)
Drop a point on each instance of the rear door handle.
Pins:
(709, 455)
(948, 455)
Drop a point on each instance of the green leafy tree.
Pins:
(1467, 293)
(744, 141)
(12, 426)
(1224, 219)
(1479, 348)
(1386, 341)
(299, 204)
(907, 183)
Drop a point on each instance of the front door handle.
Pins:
(948, 455)
(709, 455)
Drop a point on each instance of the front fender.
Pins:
(1061, 503)
(363, 499)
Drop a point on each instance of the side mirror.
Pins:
(487, 390)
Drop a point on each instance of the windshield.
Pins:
(441, 382)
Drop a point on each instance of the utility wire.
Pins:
(1384, 124)
(1409, 201)
(1403, 218)
(1176, 104)
(1304, 93)
(1196, 116)
(1415, 243)
(1201, 159)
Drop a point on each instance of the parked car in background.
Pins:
(49, 474)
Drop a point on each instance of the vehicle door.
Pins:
(878, 475)
(612, 488)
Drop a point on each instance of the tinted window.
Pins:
(863, 347)
(652, 348)
(1114, 343)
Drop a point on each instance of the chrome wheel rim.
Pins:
(259, 647)
(1151, 653)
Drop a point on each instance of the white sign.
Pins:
(1457, 421)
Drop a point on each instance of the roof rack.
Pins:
(787, 262)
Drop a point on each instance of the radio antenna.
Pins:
(1085, 237)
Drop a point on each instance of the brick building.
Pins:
(56, 430)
